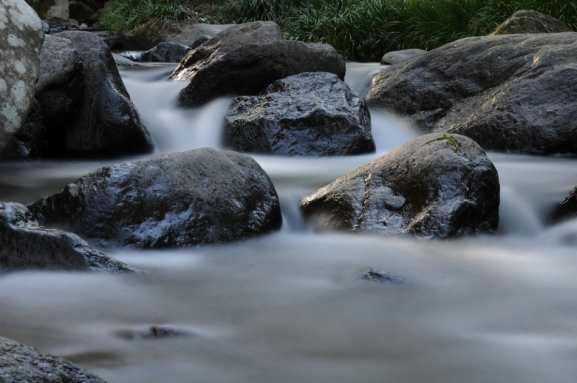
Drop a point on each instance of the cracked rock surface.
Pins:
(435, 186)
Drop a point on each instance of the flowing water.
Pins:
(291, 306)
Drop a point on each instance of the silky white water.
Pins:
(290, 306)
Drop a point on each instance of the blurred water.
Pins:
(292, 307)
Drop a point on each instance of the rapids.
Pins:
(291, 306)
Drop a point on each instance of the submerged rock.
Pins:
(105, 123)
(397, 57)
(22, 37)
(20, 363)
(25, 245)
(166, 52)
(511, 93)
(530, 22)
(309, 114)
(196, 197)
(244, 59)
(435, 186)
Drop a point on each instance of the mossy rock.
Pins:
(530, 22)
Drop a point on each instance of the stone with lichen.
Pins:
(530, 22)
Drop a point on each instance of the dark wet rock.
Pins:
(567, 209)
(24, 364)
(25, 245)
(196, 197)
(114, 42)
(80, 12)
(372, 275)
(166, 52)
(20, 44)
(30, 140)
(105, 123)
(49, 8)
(244, 59)
(530, 22)
(397, 57)
(199, 41)
(511, 93)
(65, 23)
(309, 114)
(434, 186)
(153, 332)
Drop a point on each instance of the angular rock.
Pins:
(25, 245)
(20, 363)
(80, 12)
(196, 197)
(30, 141)
(20, 44)
(396, 57)
(530, 22)
(105, 123)
(567, 209)
(309, 114)
(511, 93)
(435, 186)
(50, 8)
(244, 59)
(166, 52)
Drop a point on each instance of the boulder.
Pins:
(435, 186)
(20, 363)
(95, 20)
(196, 197)
(530, 22)
(105, 122)
(199, 41)
(25, 245)
(50, 8)
(30, 140)
(567, 209)
(166, 52)
(510, 93)
(309, 114)
(396, 57)
(244, 59)
(64, 23)
(80, 12)
(22, 38)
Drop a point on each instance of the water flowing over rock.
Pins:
(166, 52)
(309, 114)
(196, 197)
(244, 59)
(435, 186)
(20, 42)
(25, 245)
(105, 123)
(530, 22)
(20, 363)
(511, 93)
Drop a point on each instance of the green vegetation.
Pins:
(360, 30)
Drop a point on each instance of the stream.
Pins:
(291, 306)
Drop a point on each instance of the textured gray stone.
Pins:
(166, 52)
(511, 93)
(435, 186)
(20, 42)
(50, 8)
(397, 57)
(196, 197)
(530, 22)
(309, 114)
(24, 364)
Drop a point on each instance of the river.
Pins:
(291, 306)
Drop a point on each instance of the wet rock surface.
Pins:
(244, 59)
(567, 209)
(435, 186)
(25, 245)
(50, 8)
(196, 197)
(105, 123)
(397, 57)
(530, 22)
(22, 37)
(30, 140)
(511, 93)
(166, 52)
(309, 114)
(20, 363)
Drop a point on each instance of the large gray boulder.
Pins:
(20, 42)
(25, 245)
(511, 93)
(309, 114)
(24, 364)
(105, 123)
(196, 197)
(244, 59)
(530, 22)
(434, 186)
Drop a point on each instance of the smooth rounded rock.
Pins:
(196, 197)
(397, 57)
(435, 186)
(309, 114)
(166, 52)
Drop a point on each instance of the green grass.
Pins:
(361, 30)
